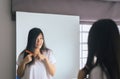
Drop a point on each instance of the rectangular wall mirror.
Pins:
(61, 34)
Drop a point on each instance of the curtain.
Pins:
(88, 10)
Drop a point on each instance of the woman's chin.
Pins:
(38, 47)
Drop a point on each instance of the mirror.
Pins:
(61, 34)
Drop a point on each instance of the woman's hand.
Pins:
(82, 73)
(28, 59)
(41, 57)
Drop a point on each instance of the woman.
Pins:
(103, 44)
(36, 61)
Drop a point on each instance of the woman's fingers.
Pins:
(40, 57)
(28, 58)
(82, 74)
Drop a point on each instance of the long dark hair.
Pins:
(103, 42)
(32, 36)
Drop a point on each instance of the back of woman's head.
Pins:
(102, 43)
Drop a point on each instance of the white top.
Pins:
(97, 73)
(38, 69)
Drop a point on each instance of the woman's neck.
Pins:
(36, 51)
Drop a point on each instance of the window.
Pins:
(84, 29)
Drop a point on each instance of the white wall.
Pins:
(7, 41)
(61, 35)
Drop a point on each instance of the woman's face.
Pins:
(39, 41)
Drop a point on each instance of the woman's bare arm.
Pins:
(21, 67)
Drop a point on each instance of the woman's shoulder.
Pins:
(97, 73)
(96, 68)
(21, 55)
(47, 51)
